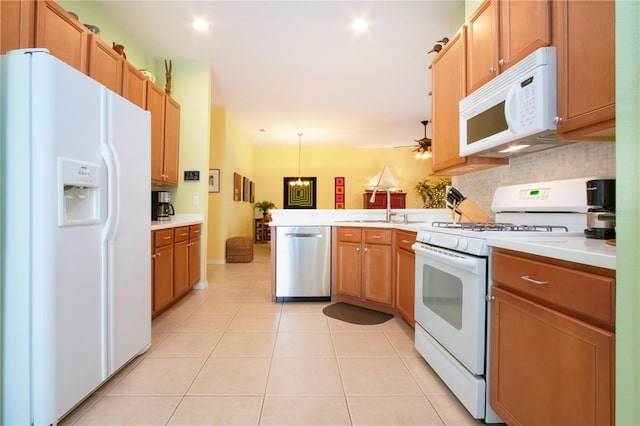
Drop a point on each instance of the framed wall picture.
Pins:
(245, 188)
(237, 187)
(214, 180)
(252, 192)
(299, 197)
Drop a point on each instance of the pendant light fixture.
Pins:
(299, 182)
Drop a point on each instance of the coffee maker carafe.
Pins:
(601, 216)
(161, 207)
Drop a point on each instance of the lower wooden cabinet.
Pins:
(176, 264)
(405, 275)
(181, 271)
(162, 273)
(552, 341)
(364, 262)
(194, 254)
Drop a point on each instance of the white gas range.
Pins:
(453, 288)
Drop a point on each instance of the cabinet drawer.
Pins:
(163, 237)
(582, 294)
(404, 240)
(194, 231)
(181, 233)
(352, 235)
(377, 236)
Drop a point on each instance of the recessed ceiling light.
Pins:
(200, 25)
(360, 25)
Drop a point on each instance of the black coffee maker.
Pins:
(601, 216)
(161, 207)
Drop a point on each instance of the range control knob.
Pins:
(454, 242)
(425, 237)
(463, 244)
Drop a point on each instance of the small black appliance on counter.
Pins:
(161, 207)
(601, 216)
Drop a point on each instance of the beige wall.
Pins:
(356, 165)
(231, 151)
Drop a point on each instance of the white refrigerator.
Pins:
(75, 230)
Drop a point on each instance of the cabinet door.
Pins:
(482, 45)
(162, 277)
(548, 368)
(65, 37)
(134, 86)
(181, 268)
(17, 24)
(525, 26)
(377, 275)
(349, 266)
(447, 89)
(171, 140)
(584, 34)
(105, 65)
(405, 275)
(194, 262)
(155, 105)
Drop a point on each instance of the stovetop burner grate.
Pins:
(506, 227)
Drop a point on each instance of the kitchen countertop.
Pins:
(373, 218)
(577, 249)
(177, 220)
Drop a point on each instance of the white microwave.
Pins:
(513, 113)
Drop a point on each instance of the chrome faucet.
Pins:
(373, 199)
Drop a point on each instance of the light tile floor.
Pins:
(227, 355)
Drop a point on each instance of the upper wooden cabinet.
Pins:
(63, 35)
(17, 25)
(171, 140)
(448, 88)
(165, 135)
(584, 36)
(134, 85)
(501, 33)
(155, 105)
(105, 65)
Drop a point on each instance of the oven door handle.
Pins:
(448, 257)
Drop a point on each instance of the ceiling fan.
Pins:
(423, 150)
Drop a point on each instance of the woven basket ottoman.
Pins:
(239, 250)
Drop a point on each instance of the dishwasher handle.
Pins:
(302, 235)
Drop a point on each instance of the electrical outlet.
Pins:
(196, 200)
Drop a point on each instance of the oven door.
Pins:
(450, 302)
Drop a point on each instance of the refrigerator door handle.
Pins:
(111, 222)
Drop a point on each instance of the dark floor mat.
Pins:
(355, 314)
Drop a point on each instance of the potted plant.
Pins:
(433, 193)
(265, 206)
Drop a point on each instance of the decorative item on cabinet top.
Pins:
(119, 48)
(168, 68)
(439, 45)
(149, 75)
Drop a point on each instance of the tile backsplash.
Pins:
(584, 159)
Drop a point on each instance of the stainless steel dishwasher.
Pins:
(303, 263)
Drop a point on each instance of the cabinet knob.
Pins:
(501, 62)
(558, 120)
(357, 248)
(366, 249)
(153, 256)
(492, 70)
